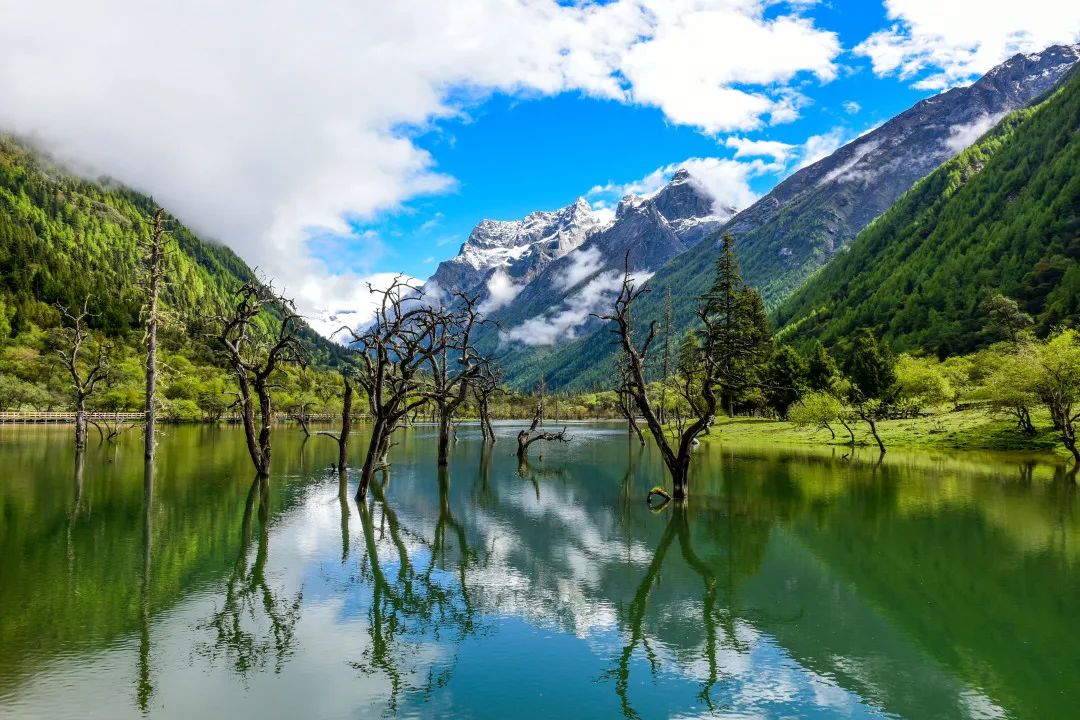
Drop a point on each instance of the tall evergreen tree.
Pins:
(821, 369)
(872, 369)
(741, 339)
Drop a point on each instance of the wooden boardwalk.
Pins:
(7, 418)
(26, 417)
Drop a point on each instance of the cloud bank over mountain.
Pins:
(271, 124)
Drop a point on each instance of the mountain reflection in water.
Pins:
(794, 582)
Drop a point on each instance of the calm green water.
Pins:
(794, 584)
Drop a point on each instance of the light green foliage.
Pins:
(1053, 369)
(67, 240)
(921, 383)
(816, 409)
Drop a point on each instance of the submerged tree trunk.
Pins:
(444, 436)
(831, 431)
(529, 435)
(346, 426)
(80, 424)
(376, 457)
(151, 376)
(634, 427)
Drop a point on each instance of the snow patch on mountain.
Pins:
(521, 248)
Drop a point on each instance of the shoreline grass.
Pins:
(956, 430)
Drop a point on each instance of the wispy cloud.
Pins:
(958, 40)
(574, 313)
(501, 291)
(432, 223)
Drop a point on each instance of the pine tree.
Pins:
(741, 339)
(668, 319)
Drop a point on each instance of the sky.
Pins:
(332, 141)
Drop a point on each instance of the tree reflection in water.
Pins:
(145, 686)
(416, 601)
(240, 627)
(743, 550)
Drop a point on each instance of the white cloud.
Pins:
(501, 291)
(345, 300)
(690, 65)
(778, 151)
(429, 259)
(960, 39)
(597, 296)
(849, 170)
(603, 212)
(727, 181)
(432, 222)
(583, 263)
(263, 123)
(821, 146)
(644, 187)
(852, 108)
(961, 137)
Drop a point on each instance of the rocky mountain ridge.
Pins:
(791, 232)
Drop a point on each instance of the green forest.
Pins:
(1002, 217)
(66, 241)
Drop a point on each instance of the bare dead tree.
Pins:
(677, 459)
(86, 367)
(392, 353)
(153, 266)
(456, 366)
(528, 436)
(305, 401)
(110, 428)
(484, 386)
(255, 356)
(342, 438)
(625, 404)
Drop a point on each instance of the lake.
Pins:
(794, 582)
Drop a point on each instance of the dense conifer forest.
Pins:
(1002, 217)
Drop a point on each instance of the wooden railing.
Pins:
(65, 417)
(69, 417)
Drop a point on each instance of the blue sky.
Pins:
(511, 155)
(330, 141)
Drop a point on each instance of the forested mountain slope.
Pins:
(63, 239)
(1002, 216)
(810, 217)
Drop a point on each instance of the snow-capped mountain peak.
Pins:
(521, 248)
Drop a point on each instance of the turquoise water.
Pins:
(794, 583)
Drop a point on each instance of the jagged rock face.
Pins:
(794, 229)
(551, 258)
(681, 199)
(586, 279)
(522, 248)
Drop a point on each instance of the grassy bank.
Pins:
(961, 430)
